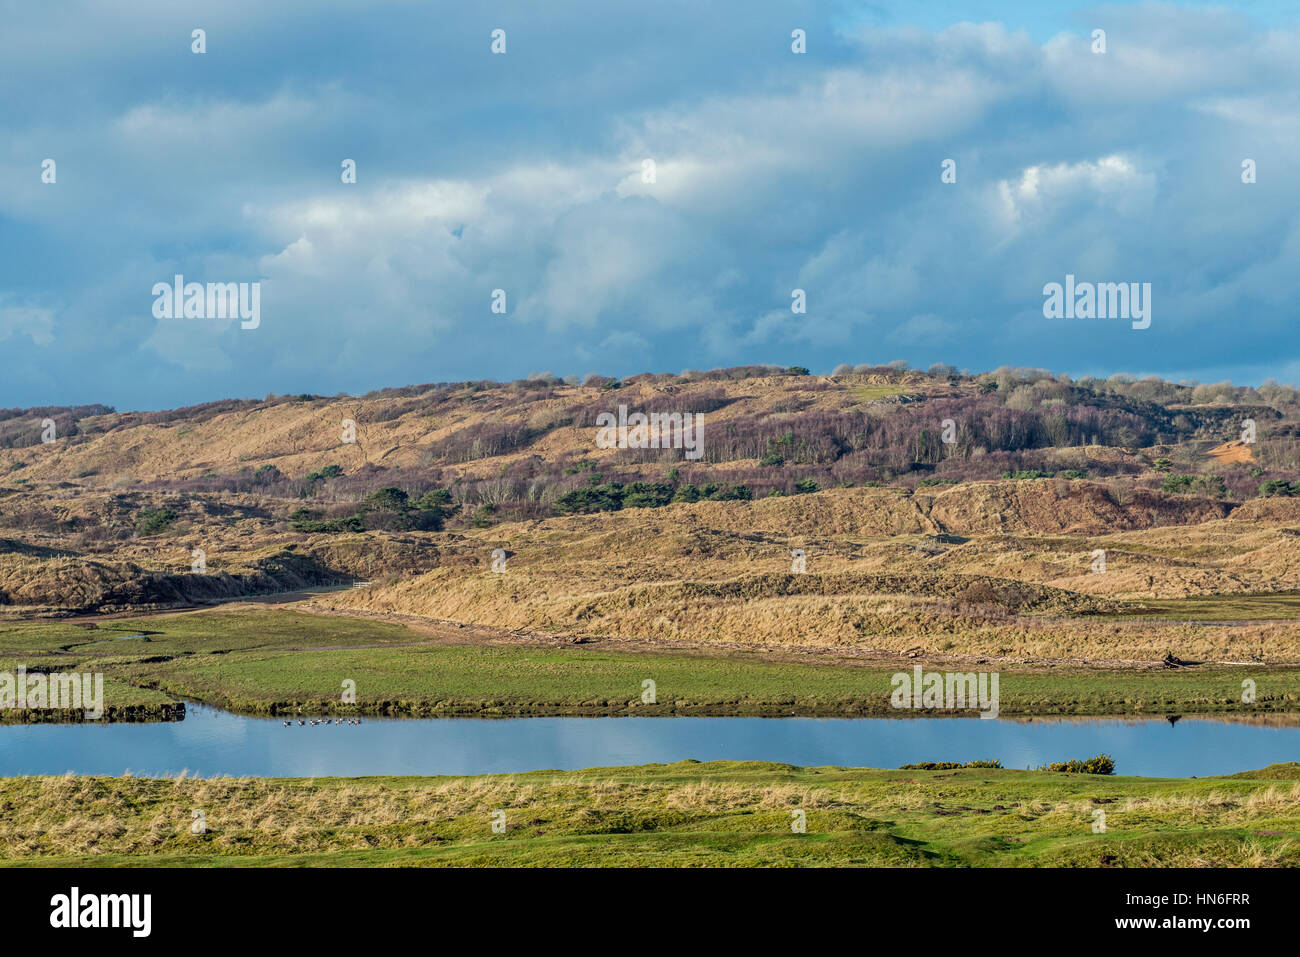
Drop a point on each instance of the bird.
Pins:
(301, 722)
(286, 724)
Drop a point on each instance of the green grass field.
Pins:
(281, 661)
(684, 814)
(870, 393)
(1278, 606)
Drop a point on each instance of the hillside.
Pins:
(949, 513)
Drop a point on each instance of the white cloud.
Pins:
(35, 323)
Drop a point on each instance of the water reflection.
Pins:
(210, 742)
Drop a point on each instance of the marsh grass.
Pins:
(716, 814)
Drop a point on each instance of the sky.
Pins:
(525, 172)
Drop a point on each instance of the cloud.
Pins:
(774, 171)
(35, 323)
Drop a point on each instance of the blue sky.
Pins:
(522, 172)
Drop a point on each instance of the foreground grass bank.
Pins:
(685, 814)
(260, 661)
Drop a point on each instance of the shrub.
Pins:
(1211, 485)
(1278, 487)
(949, 765)
(597, 498)
(726, 493)
(352, 523)
(686, 493)
(1101, 764)
(647, 494)
(152, 521)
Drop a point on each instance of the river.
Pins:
(211, 742)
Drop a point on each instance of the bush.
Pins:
(1211, 485)
(1278, 487)
(647, 494)
(152, 521)
(597, 498)
(686, 493)
(949, 765)
(726, 493)
(352, 523)
(1101, 764)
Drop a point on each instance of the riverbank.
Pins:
(278, 661)
(683, 814)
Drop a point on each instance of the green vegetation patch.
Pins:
(261, 661)
(683, 814)
(1274, 606)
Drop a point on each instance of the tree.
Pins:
(390, 497)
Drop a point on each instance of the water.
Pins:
(211, 742)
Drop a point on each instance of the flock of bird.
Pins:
(325, 721)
